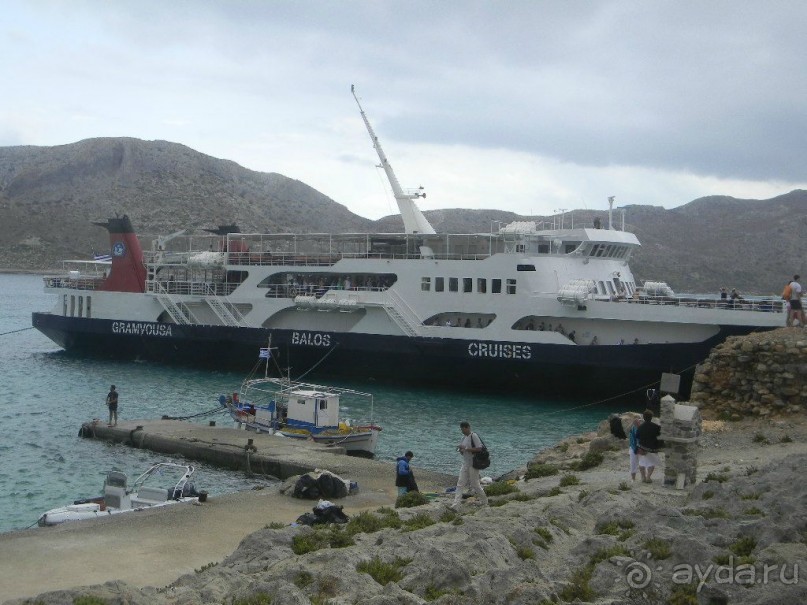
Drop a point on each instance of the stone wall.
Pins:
(755, 375)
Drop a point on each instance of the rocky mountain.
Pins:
(49, 197)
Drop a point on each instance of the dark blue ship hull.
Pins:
(546, 370)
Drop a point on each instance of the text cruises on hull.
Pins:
(551, 310)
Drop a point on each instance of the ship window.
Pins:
(64, 305)
(439, 284)
(453, 284)
(521, 248)
(72, 306)
(81, 306)
(594, 249)
(511, 286)
(496, 286)
(600, 251)
(611, 287)
(543, 248)
(425, 284)
(569, 248)
(89, 307)
(525, 267)
(323, 404)
(481, 285)
(601, 287)
(467, 284)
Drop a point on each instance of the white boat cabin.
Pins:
(312, 410)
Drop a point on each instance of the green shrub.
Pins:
(569, 480)
(751, 496)
(544, 533)
(500, 488)
(535, 471)
(365, 523)
(339, 538)
(583, 493)
(624, 486)
(555, 491)
(419, 521)
(578, 587)
(382, 572)
(411, 499)
(303, 579)
(684, 594)
(307, 542)
(590, 460)
(753, 511)
(658, 548)
(525, 552)
(432, 593)
(715, 477)
(760, 438)
(89, 600)
(786, 439)
(707, 513)
(259, 598)
(708, 495)
(743, 547)
(275, 525)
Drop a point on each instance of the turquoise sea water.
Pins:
(46, 394)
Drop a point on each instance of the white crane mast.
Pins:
(413, 219)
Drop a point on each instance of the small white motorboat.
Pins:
(147, 491)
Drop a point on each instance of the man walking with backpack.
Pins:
(469, 476)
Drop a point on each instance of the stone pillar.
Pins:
(680, 430)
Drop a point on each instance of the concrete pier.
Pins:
(155, 547)
(248, 451)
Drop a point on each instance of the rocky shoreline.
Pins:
(577, 530)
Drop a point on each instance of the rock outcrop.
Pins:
(755, 375)
(738, 536)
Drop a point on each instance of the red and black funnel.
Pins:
(128, 273)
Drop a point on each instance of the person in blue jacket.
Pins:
(404, 477)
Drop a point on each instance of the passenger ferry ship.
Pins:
(554, 311)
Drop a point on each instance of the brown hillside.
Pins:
(49, 197)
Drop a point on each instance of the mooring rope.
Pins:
(15, 331)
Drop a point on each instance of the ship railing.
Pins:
(294, 290)
(73, 283)
(190, 288)
(180, 313)
(759, 305)
(163, 258)
(227, 312)
(403, 314)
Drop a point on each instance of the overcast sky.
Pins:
(527, 106)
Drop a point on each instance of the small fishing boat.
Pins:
(145, 492)
(301, 410)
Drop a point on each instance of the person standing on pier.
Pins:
(469, 476)
(112, 404)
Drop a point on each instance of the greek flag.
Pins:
(264, 354)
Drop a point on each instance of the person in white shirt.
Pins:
(796, 309)
(469, 476)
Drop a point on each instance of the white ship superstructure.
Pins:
(554, 311)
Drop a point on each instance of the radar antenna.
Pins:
(413, 219)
